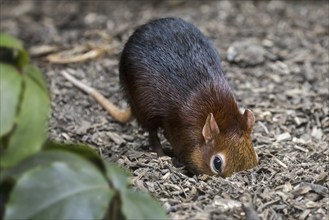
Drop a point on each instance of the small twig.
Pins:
(301, 148)
(280, 162)
(75, 58)
(180, 185)
(263, 126)
(268, 203)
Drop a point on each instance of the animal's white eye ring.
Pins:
(217, 163)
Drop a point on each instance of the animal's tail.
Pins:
(122, 116)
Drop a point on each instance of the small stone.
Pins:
(127, 137)
(283, 137)
(164, 177)
(226, 204)
(298, 140)
(116, 138)
(65, 136)
(166, 206)
(83, 128)
(267, 43)
(246, 53)
(317, 133)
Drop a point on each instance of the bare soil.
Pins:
(275, 55)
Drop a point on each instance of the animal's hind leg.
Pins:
(154, 142)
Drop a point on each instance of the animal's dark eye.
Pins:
(217, 164)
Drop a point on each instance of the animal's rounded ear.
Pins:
(249, 118)
(210, 129)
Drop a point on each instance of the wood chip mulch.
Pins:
(276, 57)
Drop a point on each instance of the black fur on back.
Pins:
(163, 63)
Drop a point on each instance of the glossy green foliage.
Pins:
(41, 179)
(12, 51)
(25, 105)
(63, 187)
(10, 89)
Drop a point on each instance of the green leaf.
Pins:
(36, 75)
(81, 149)
(64, 189)
(138, 205)
(30, 132)
(7, 40)
(10, 89)
(10, 42)
(117, 176)
(39, 159)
